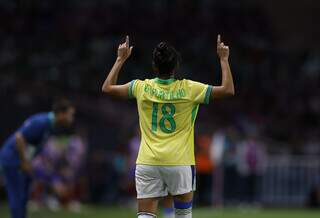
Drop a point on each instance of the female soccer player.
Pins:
(167, 111)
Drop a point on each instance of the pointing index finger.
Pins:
(127, 41)
(218, 39)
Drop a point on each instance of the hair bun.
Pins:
(162, 47)
(162, 52)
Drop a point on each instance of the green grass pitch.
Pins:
(113, 212)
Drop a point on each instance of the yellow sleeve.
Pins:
(200, 93)
(135, 88)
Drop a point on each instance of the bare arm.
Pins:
(21, 148)
(110, 86)
(227, 86)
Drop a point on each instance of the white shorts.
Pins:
(158, 181)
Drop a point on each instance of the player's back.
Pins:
(167, 112)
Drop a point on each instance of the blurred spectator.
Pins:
(59, 176)
(217, 147)
(230, 161)
(252, 161)
(204, 169)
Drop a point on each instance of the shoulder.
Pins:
(38, 119)
(146, 81)
(141, 82)
(190, 83)
(42, 116)
(134, 85)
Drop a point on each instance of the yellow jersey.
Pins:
(167, 111)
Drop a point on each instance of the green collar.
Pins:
(164, 81)
(51, 118)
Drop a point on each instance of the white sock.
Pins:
(146, 215)
(183, 213)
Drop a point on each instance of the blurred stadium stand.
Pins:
(52, 48)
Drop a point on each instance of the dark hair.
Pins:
(61, 105)
(165, 59)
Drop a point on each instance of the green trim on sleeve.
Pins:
(130, 93)
(208, 94)
(194, 113)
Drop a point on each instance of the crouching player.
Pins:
(15, 158)
(167, 110)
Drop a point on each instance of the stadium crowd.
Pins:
(52, 48)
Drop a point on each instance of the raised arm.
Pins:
(227, 88)
(110, 86)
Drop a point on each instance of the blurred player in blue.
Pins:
(16, 155)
